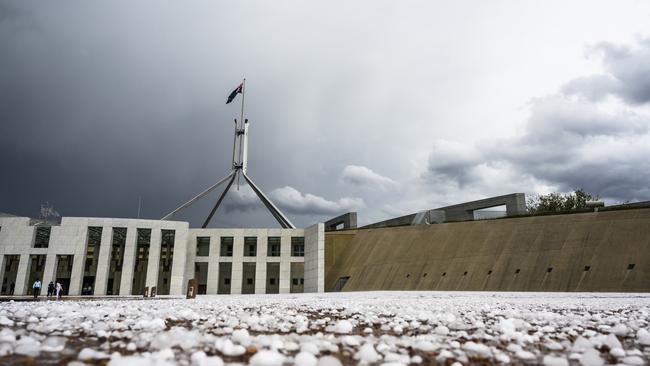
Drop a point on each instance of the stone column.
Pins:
(260, 262)
(22, 276)
(315, 258)
(78, 262)
(126, 283)
(237, 263)
(49, 273)
(285, 262)
(153, 261)
(103, 261)
(213, 266)
(178, 282)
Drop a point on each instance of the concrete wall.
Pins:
(498, 255)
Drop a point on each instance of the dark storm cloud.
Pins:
(628, 74)
(571, 143)
(103, 103)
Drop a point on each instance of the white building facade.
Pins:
(107, 256)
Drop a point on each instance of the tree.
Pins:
(558, 202)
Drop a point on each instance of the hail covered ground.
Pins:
(366, 328)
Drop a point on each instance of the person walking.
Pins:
(36, 288)
(59, 289)
(50, 289)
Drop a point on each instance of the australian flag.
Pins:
(235, 92)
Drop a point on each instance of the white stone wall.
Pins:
(261, 259)
(70, 238)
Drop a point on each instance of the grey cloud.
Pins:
(365, 177)
(295, 202)
(567, 144)
(453, 161)
(628, 74)
(570, 142)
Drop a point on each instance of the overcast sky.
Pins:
(380, 107)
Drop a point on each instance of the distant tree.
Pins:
(557, 202)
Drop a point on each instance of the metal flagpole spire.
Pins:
(241, 122)
(239, 168)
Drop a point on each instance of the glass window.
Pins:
(202, 246)
(42, 238)
(298, 246)
(273, 248)
(226, 246)
(250, 246)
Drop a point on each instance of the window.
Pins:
(226, 281)
(249, 281)
(272, 281)
(250, 246)
(202, 246)
(273, 248)
(42, 238)
(295, 281)
(89, 264)
(226, 246)
(298, 246)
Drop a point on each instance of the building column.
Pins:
(237, 264)
(315, 258)
(285, 263)
(260, 262)
(126, 283)
(49, 273)
(213, 276)
(178, 281)
(213, 266)
(22, 275)
(103, 261)
(260, 275)
(78, 263)
(153, 262)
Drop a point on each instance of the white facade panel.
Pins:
(71, 238)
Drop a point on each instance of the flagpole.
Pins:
(241, 122)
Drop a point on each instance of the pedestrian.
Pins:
(36, 288)
(59, 290)
(50, 289)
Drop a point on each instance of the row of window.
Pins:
(273, 248)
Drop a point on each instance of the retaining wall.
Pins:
(574, 252)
